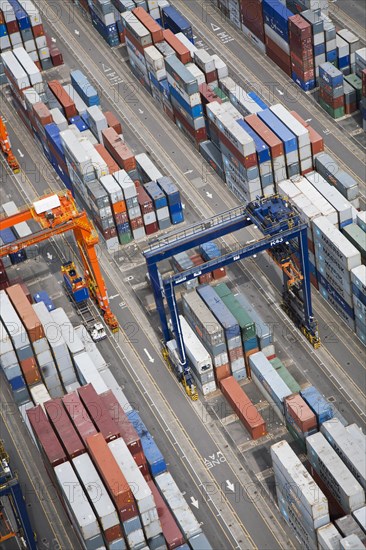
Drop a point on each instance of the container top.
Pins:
(219, 309)
(62, 424)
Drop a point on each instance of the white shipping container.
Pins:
(197, 73)
(113, 385)
(80, 105)
(333, 196)
(73, 342)
(5, 342)
(357, 434)
(94, 488)
(352, 542)
(12, 322)
(145, 164)
(292, 124)
(187, 43)
(347, 448)
(221, 67)
(333, 240)
(91, 347)
(204, 60)
(88, 373)
(342, 484)
(305, 187)
(176, 502)
(76, 501)
(360, 517)
(127, 185)
(39, 394)
(35, 75)
(329, 538)
(16, 70)
(59, 119)
(299, 480)
(197, 353)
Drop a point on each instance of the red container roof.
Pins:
(79, 416)
(64, 428)
(46, 436)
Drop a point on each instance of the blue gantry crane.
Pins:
(10, 488)
(285, 239)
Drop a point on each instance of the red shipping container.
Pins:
(273, 142)
(119, 417)
(247, 354)
(134, 43)
(303, 64)
(300, 412)
(30, 371)
(12, 27)
(248, 161)
(118, 149)
(98, 412)
(64, 428)
(183, 53)
(299, 26)
(363, 76)
(56, 56)
(145, 202)
(222, 372)
(172, 534)
(38, 65)
(2, 20)
(243, 407)
(197, 135)
(198, 260)
(211, 77)
(45, 436)
(277, 55)
(113, 122)
(63, 97)
(26, 312)
(168, 110)
(152, 26)
(335, 103)
(219, 273)
(38, 30)
(79, 415)
(140, 460)
(25, 289)
(252, 17)
(350, 108)
(151, 228)
(316, 140)
(42, 113)
(112, 476)
(108, 159)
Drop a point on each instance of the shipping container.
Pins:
(26, 312)
(172, 534)
(269, 381)
(45, 436)
(318, 404)
(64, 428)
(98, 412)
(79, 415)
(154, 457)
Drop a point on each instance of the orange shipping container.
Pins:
(108, 159)
(300, 412)
(30, 371)
(112, 476)
(316, 140)
(26, 312)
(113, 122)
(243, 407)
(152, 26)
(222, 372)
(119, 207)
(183, 53)
(63, 97)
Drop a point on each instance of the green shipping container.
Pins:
(356, 83)
(296, 436)
(334, 113)
(125, 238)
(247, 325)
(285, 375)
(357, 237)
(221, 95)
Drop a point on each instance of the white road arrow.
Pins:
(141, 111)
(151, 360)
(230, 486)
(188, 172)
(280, 92)
(114, 296)
(209, 195)
(49, 256)
(76, 32)
(20, 153)
(194, 502)
(308, 120)
(53, 39)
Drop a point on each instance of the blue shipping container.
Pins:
(343, 61)
(174, 21)
(7, 236)
(304, 85)
(156, 194)
(154, 457)
(281, 131)
(331, 75)
(276, 16)
(318, 404)
(79, 123)
(42, 296)
(17, 383)
(263, 151)
(194, 112)
(21, 15)
(209, 251)
(330, 290)
(257, 100)
(170, 189)
(220, 311)
(331, 56)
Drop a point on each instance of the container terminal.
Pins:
(182, 275)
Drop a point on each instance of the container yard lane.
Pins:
(139, 112)
(256, 71)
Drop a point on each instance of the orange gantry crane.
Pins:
(57, 214)
(6, 147)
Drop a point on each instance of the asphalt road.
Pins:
(349, 14)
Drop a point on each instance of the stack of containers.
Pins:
(300, 419)
(276, 15)
(118, 206)
(82, 86)
(318, 404)
(132, 205)
(102, 214)
(302, 135)
(347, 448)
(335, 474)
(186, 100)
(198, 261)
(264, 331)
(357, 237)
(146, 168)
(147, 211)
(96, 121)
(347, 44)
(274, 143)
(316, 141)
(301, 502)
(182, 262)
(231, 329)
(173, 20)
(335, 257)
(318, 37)
(209, 331)
(206, 63)
(11, 368)
(137, 38)
(104, 18)
(246, 324)
(331, 91)
(243, 407)
(173, 197)
(269, 382)
(121, 153)
(358, 286)
(253, 23)
(199, 359)
(354, 536)
(160, 204)
(156, 70)
(328, 537)
(288, 138)
(78, 163)
(301, 50)
(210, 251)
(327, 167)
(57, 344)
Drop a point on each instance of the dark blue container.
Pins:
(331, 56)
(53, 137)
(17, 383)
(209, 251)
(21, 15)
(257, 100)
(334, 294)
(154, 457)
(170, 189)
(319, 49)
(42, 296)
(174, 21)
(331, 75)
(288, 138)
(177, 217)
(318, 404)
(276, 16)
(109, 33)
(156, 194)
(8, 237)
(194, 112)
(343, 61)
(83, 87)
(79, 123)
(304, 85)
(164, 88)
(3, 31)
(251, 344)
(359, 294)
